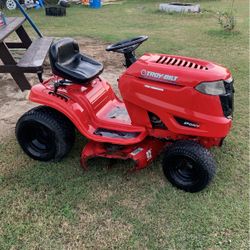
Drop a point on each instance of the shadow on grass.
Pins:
(223, 33)
(57, 188)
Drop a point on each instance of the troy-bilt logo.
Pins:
(157, 76)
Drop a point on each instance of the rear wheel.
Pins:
(45, 134)
(188, 166)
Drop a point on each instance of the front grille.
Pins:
(227, 100)
(168, 60)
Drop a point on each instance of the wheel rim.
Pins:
(185, 171)
(37, 139)
(10, 4)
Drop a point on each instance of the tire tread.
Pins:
(197, 153)
(54, 119)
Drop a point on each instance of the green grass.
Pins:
(58, 206)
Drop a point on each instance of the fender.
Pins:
(80, 113)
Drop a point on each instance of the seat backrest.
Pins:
(62, 51)
(68, 63)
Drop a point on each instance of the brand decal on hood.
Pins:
(157, 76)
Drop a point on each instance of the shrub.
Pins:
(227, 19)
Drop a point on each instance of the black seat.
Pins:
(67, 62)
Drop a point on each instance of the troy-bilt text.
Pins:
(158, 76)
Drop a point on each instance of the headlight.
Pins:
(229, 80)
(211, 88)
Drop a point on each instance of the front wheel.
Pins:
(188, 166)
(45, 134)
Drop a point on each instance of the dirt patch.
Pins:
(13, 102)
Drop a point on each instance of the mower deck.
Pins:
(142, 153)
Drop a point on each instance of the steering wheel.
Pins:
(127, 46)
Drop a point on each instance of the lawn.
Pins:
(58, 206)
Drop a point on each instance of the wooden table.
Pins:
(33, 58)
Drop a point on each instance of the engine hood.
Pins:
(178, 70)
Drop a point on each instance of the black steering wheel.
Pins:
(127, 48)
(128, 45)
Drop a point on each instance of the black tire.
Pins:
(188, 166)
(45, 134)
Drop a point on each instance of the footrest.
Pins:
(115, 134)
(34, 57)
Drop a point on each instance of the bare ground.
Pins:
(13, 102)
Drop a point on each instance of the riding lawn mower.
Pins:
(174, 105)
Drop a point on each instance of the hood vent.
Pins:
(179, 62)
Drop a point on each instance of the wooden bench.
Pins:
(32, 60)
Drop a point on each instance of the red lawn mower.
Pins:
(173, 104)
